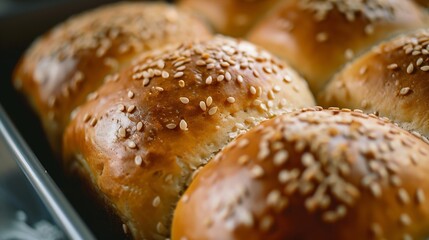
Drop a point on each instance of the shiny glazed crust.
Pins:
(146, 130)
(230, 17)
(312, 174)
(392, 80)
(318, 36)
(65, 65)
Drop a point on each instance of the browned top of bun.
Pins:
(230, 17)
(169, 113)
(392, 79)
(73, 59)
(312, 174)
(318, 36)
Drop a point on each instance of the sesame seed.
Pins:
(124, 228)
(410, 68)
(257, 171)
(419, 61)
(171, 126)
(240, 78)
(86, 117)
(220, 78)
(93, 122)
(209, 80)
(203, 106)
(404, 219)
(130, 94)
(185, 198)
(210, 66)
(184, 100)
(181, 68)
(287, 78)
(392, 66)
(183, 125)
(209, 101)
(178, 75)
(277, 88)
(255, 73)
(159, 89)
(212, 110)
(307, 159)
(322, 37)
(160, 64)
(369, 29)
(224, 64)
(243, 159)
(131, 144)
(230, 99)
(131, 108)
(165, 74)
(404, 91)
(280, 157)
(243, 143)
(425, 68)
(403, 196)
(139, 126)
(181, 83)
(375, 189)
(252, 90)
(146, 82)
(228, 76)
(420, 196)
(161, 228)
(349, 53)
(122, 133)
(138, 160)
(273, 198)
(200, 62)
(156, 201)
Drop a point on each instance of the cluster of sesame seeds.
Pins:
(107, 33)
(220, 58)
(372, 10)
(329, 145)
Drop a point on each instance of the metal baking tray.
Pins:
(36, 200)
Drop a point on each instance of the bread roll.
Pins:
(392, 80)
(312, 174)
(230, 17)
(66, 64)
(148, 129)
(318, 36)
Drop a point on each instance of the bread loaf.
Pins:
(318, 36)
(166, 115)
(65, 65)
(312, 174)
(391, 79)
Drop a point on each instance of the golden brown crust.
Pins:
(312, 174)
(230, 17)
(166, 115)
(392, 80)
(318, 36)
(61, 68)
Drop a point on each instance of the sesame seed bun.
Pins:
(168, 114)
(230, 17)
(318, 37)
(392, 80)
(65, 65)
(312, 174)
